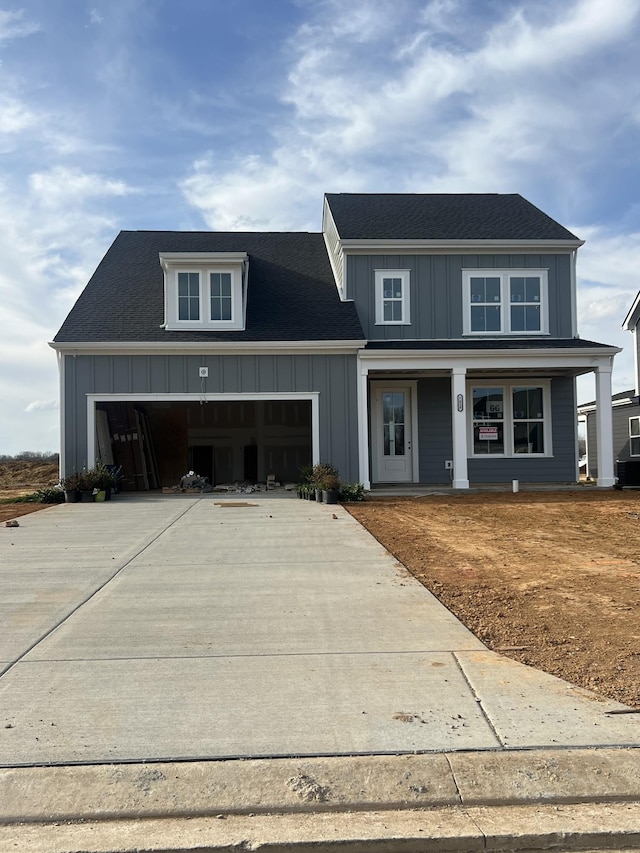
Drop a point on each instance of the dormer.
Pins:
(205, 291)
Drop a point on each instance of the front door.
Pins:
(392, 434)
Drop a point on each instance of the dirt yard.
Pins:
(551, 579)
(21, 478)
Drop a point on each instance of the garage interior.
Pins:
(243, 442)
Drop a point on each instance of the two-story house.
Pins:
(626, 416)
(424, 339)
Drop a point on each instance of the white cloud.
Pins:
(50, 241)
(62, 185)
(510, 109)
(586, 26)
(42, 406)
(14, 116)
(13, 25)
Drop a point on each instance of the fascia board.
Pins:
(174, 258)
(587, 408)
(379, 247)
(632, 318)
(475, 360)
(204, 347)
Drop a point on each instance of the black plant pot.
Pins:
(330, 496)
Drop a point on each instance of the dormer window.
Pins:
(204, 291)
(188, 296)
(221, 298)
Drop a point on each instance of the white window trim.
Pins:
(405, 276)
(507, 419)
(505, 305)
(205, 263)
(205, 321)
(636, 436)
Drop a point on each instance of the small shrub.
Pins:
(49, 495)
(321, 471)
(352, 492)
(306, 474)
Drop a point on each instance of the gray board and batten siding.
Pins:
(437, 305)
(333, 377)
(621, 415)
(434, 430)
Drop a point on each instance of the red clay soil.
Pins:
(551, 579)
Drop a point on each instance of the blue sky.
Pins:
(240, 114)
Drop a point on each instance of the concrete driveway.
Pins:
(164, 628)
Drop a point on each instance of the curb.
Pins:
(316, 785)
(507, 828)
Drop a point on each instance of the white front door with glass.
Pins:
(393, 456)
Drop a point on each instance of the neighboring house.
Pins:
(625, 408)
(424, 339)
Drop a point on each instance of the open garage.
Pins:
(156, 442)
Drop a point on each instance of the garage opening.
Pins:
(156, 443)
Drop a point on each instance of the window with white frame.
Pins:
(188, 296)
(505, 302)
(392, 297)
(204, 290)
(509, 419)
(634, 436)
(221, 295)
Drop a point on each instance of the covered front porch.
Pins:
(477, 417)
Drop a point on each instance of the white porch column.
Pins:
(459, 424)
(604, 426)
(363, 425)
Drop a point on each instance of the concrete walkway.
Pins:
(179, 629)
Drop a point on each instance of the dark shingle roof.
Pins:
(483, 343)
(291, 297)
(486, 216)
(621, 395)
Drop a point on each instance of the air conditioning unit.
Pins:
(628, 472)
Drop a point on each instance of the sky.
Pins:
(240, 114)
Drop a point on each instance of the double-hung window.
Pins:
(510, 419)
(634, 436)
(221, 296)
(188, 296)
(204, 291)
(498, 302)
(392, 297)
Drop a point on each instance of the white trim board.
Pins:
(313, 397)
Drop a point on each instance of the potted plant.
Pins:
(322, 471)
(306, 475)
(330, 491)
(105, 482)
(87, 483)
(70, 488)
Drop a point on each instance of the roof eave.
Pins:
(189, 347)
(379, 246)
